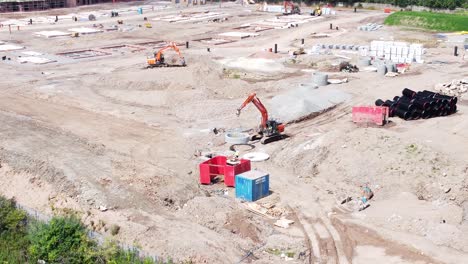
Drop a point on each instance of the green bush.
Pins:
(63, 240)
(13, 236)
(114, 229)
(11, 219)
(112, 253)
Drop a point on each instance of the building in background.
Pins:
(36, 5)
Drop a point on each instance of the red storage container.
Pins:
(218, 166)
(370, 114)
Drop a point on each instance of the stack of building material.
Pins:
(328, 11)
(398, 52)
(414, 105)
(51, 34)
(454, 88)
(339, 46)
(370, 27)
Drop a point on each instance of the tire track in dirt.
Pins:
(323, 240)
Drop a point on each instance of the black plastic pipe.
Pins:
(409, 93)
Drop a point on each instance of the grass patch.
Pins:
(429, 20)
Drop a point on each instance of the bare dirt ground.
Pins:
(77, 135)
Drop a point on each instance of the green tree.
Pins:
(62, 240)
(13, 238)
(11, 219)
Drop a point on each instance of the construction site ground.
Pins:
(86, 135)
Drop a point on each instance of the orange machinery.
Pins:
(158, 60)
(291, 8)
(270, 130)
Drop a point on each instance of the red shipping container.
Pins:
(218, 166)
(370, 114)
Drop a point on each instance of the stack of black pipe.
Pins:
(413, 105)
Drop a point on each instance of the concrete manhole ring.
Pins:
(236, 138)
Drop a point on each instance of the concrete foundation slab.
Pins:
(157, 44)
(32, 53)
(303, 102)
(125, 48)
(84, 31)
(215, 41)
(191, 17)
(82, 54)
(35, 60)
(237, 35)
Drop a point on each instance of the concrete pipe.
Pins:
(364, 62)
(236, 138)
(320, 79)
(391, 68)
(382, 69)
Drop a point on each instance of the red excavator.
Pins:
(158, 60)
(291, 8)
(270, 130)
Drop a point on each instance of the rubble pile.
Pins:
(455, 88)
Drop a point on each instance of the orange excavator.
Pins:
(270, 130)
(291, 8)
(158, 60)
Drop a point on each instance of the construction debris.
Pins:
(348, 67)
(284, 223)
(337, 81)
(455, 88)
(256, 156)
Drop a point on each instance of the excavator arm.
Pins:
(170, 46)
(254, 99)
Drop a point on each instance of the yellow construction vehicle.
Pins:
(317, 11)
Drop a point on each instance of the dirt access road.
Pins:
(77, 135)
